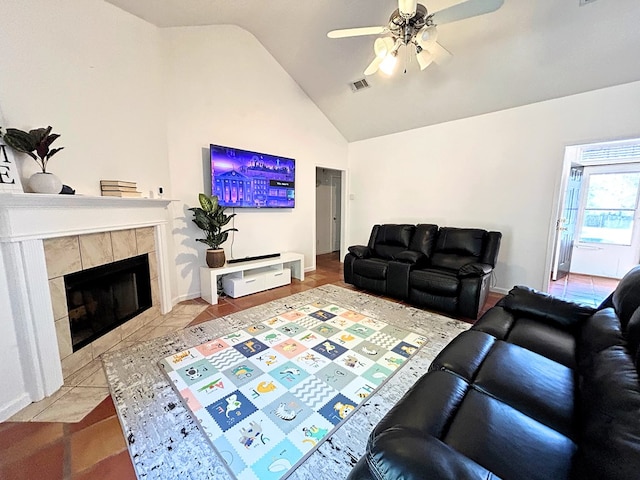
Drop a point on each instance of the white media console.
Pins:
(254, 276)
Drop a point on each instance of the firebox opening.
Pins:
(100, 299)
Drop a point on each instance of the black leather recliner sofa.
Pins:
(446, 269)
(538, 388)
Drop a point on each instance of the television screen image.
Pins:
(241, 178)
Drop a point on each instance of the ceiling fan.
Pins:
(413, 27)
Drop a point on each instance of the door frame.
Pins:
(343, 212)
(572, 154)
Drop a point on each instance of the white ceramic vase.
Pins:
(45, 182)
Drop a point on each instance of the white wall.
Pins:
(92, 72)
(498, 171)
(224, 88)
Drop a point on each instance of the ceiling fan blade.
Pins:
(440, 54)
(356, 32)
(373, 66)
(470, 8)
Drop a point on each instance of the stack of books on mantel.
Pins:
(119, 188)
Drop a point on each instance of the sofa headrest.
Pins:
(467, 242)
(626, 297)
(391, 239)
(424, 239)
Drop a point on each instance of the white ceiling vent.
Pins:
(359, 85)
(586, 2)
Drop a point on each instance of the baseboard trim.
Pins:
(500, 290)
(17, 404)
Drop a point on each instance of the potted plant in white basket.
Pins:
(36, 143)
(210, 217)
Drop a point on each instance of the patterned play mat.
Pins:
(268, 395)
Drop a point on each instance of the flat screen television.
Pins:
(241, 178)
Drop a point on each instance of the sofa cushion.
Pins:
(392, 239)
(507, 442)
(543, 389)
(373, 268)
(400, 453)
(434, 281)
(446, 428)
(460, 241)
(609, 396)
(457, 247)
(546, 339)
(633, 336)
(626, 297)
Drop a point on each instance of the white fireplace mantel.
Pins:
(26, 216)
(28, 219)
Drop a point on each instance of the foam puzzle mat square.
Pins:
(268, 395)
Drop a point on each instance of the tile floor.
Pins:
(75, 434)
(585, 289)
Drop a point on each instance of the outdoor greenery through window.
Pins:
(610, 208)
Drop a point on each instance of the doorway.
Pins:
(597, 227)
(329, 208)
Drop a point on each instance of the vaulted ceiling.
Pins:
(525, 52)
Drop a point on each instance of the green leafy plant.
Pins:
(35, 143)
(210, 217)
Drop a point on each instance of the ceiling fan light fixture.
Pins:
(383, 46)
(427, 36)
(424, 57)
(388, 65)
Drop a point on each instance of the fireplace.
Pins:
(42, 239)
(100, 299)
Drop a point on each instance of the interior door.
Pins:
(566, 224)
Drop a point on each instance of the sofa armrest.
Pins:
(542, 306)
(360, 251)
(409, 256)
(475, 270)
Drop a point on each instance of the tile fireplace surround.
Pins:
(42, 238)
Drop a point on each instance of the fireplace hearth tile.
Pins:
(95, 249)
(63, 332)
(107, 341)
(155, 292)
(58, 297)
(130, 326)
(145, 240)
(28, 413)
(85, 372)
(153, 265)
(74, 405)
(62, 256)
(124, 245)
(76, 360)
(97, 379)
(151, 314)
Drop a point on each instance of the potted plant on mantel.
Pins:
(39, 141)
(210, 217)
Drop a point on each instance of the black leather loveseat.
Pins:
(445, 269)
(538, 388)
